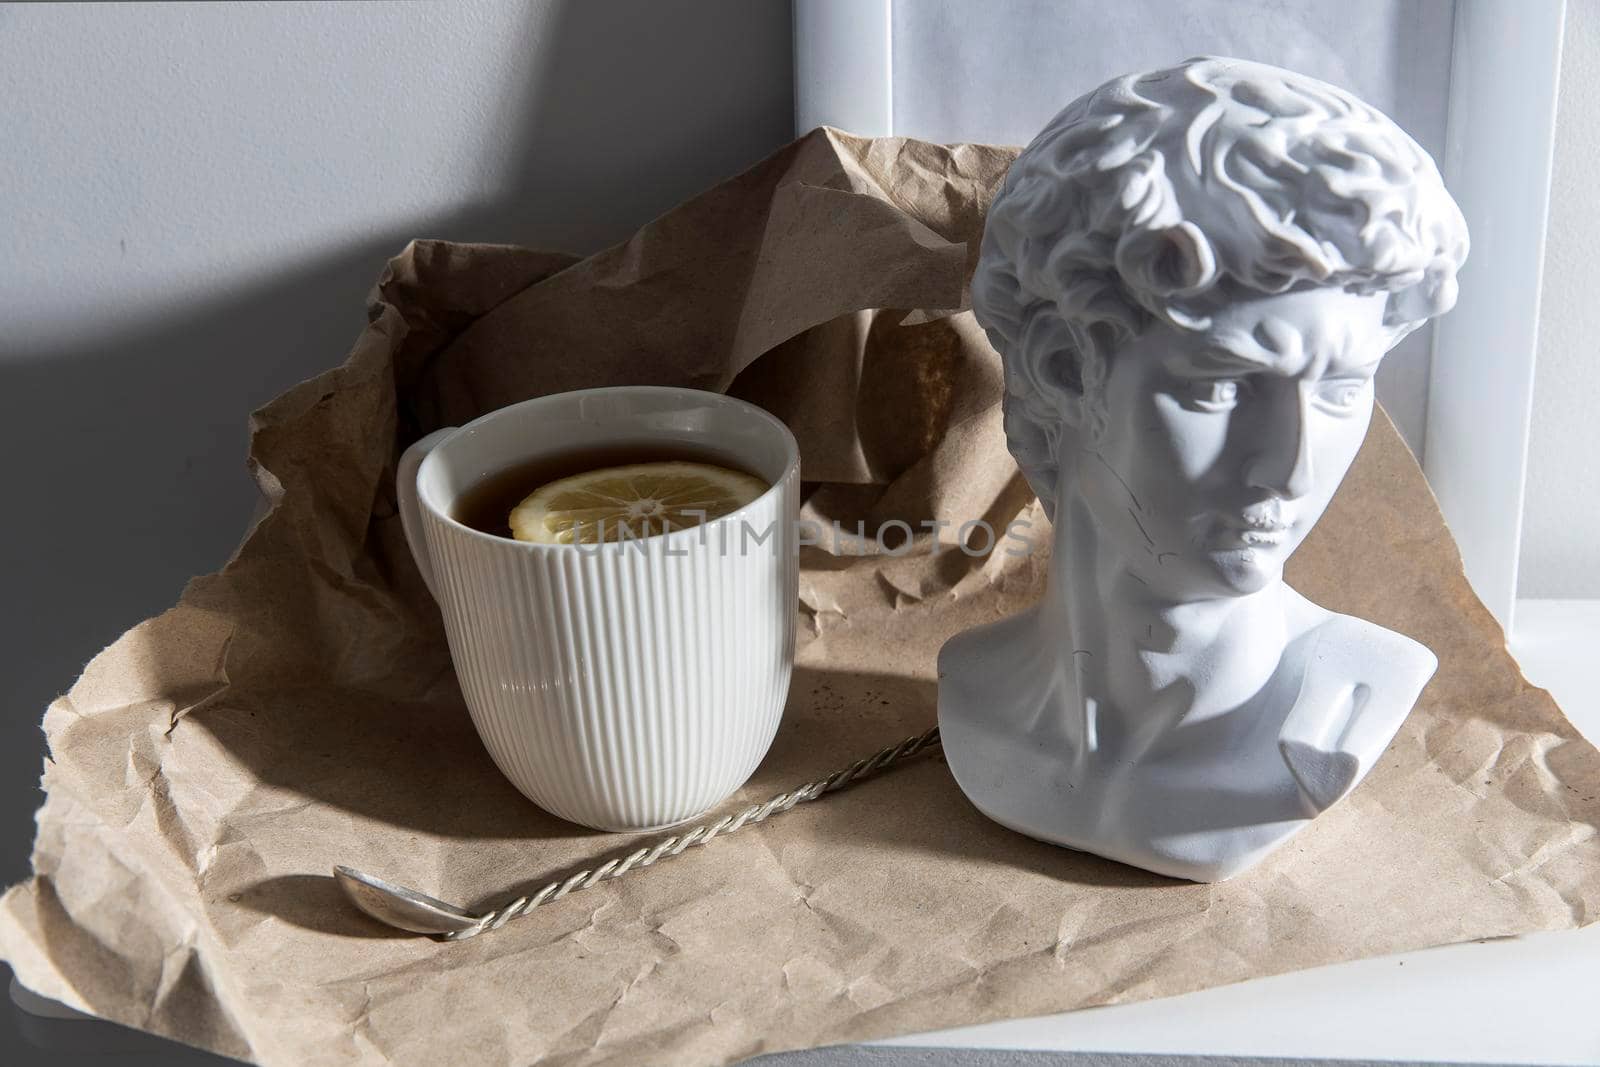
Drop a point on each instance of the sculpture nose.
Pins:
(1282, 462)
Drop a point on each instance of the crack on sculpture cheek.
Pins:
(1148, 540)
(1120, 481)
(1161, 558)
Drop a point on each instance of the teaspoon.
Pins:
(416, 912)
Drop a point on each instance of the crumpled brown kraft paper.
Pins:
(297, 710)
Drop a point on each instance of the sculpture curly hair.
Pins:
(1097, 228)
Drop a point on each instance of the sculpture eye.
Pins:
(1217, 394)
(1343, 395)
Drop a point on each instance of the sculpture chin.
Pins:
(1245, 569)
(1203, 801)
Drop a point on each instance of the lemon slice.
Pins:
(637, 500)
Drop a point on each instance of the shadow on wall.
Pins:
(126, 451)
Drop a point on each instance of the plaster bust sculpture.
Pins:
(1191, 276)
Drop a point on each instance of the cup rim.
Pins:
(791, 466)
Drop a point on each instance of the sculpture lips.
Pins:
(1256, 528)
(1267, 518)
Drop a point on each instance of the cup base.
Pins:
(655, 829)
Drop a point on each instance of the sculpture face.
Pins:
(1215, 451)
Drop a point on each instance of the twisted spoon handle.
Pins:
(676, 843)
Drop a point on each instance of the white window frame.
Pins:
(1499, 142)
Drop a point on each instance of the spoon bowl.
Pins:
(399, 907)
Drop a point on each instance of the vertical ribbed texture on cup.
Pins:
(633, 686)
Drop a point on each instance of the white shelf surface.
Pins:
(1532, 999)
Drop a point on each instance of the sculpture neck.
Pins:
(1138, 653)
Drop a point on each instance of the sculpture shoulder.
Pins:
(1001, 713)
(1357, 683)
(996, 676)
(1364, 653)
(995, 650)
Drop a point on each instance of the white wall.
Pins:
(194, 201)
(1561, 517)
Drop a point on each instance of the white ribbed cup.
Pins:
(631, 685)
